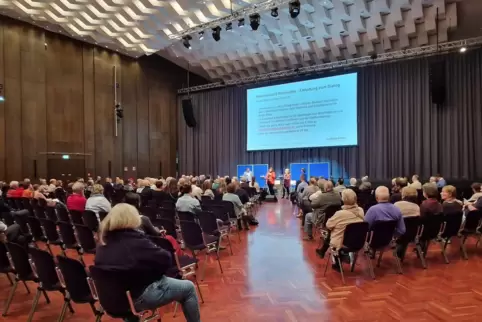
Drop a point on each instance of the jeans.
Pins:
(271, 189)
(167, 290)
(309, 224)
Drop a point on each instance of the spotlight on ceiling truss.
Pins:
(217, 33)
(294, 8)
(274, 12)
(254, 20)
(201, 35)
(241, 23)
(229, 26)
(185, 41)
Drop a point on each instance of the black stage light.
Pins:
(229, 26)
(254, 20)
(241, 23)
(294, 8)
(185, 41)
(217, 33)
(274, 12)
(201, 35)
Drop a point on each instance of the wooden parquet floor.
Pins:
(274, 276)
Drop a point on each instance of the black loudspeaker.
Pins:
(437, 82)
(188, 112)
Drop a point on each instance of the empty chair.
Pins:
(167, 225)
(51, 213)
(233, 219)
(76, 217)
(354, 239)
(27, 205)
(35, 229)
(413, 230)
(63, 214)
(5, 267)
(53, 237)
(18, 258)
(43, 268)
(90, 220)
(195, 240)
(69, 240)
(149, 212)
(86, 239)
(73, 276)
(186, 216)
(21, 220)
(168, 205)
(381, 236)
(114, 299)
(167, 213)
(451, 225)
(102, 215)
(209, 226)
(471, 226)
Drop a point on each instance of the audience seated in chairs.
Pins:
(28, 190)
(336, 225)
(186, 202)
(239, 210)
(172, 190)
(207, 189)
(353, 185)
(76, 201)
(400, 183)
(158, 194)
(15, 191)
(408, 205)
(319, 205)
(146, 226)
(125, 249)
(340, 186)
(196, 191)
(450, 204)
(97, 201)
(430, 205)
(477, 193)
(385, 211)
(416, 184)
(310, 189)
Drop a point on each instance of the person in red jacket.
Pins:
(270, 178)
(76, 201)
(15, 190)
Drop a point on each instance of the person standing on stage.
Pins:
(286, 183)
(248, 175)
(270, 178)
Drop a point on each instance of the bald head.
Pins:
(382, 194)
(328, 185)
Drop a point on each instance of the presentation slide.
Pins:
(314, 113)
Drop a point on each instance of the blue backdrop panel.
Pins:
(241, 168)
(321, 169)
(295, 169)
(260, 170)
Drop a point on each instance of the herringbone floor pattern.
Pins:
(274, 276)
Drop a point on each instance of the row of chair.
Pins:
(419, 231)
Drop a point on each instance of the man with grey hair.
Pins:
(196, 191)
(319, 205)
(385, 211)
(353, 185)
(76, 201)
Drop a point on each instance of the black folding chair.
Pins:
(354, 240)
(21, 219)
(168, 205)
(413, 231)
(114, 299)
(18, 258)
(166, 213)
(233, 219)
(205, 199)
(43, 268)
(8, 218)
(51, 214)
(102, 215)
(26, 205)
(90, 220)
(167, 225)
(186, 216)
(69, 240)
(209, 226)
(330, 211)
(195, 240)
(86, 239)
(381, 236)
(149, 212)
(52, 235)
(76, 217)
(35, 229)
(73, 277)
(185, 264)
(63, 214)
(451, 226)
(432, 227)
(5, 266)
(471, 227)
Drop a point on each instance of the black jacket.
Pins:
(243, 195)
(131, 252)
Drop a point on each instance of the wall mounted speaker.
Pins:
(437, 82)
(188, 112)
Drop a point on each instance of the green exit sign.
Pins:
(65, 156)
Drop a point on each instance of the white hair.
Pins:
(353, 182)
(78, 186)
(364, 179)
(382, 194)
(13, 184)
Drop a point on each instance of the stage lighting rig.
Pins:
(217, 33)
(254, 20)
(294, 8)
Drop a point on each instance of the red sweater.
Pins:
(76, 202)
(15, 193)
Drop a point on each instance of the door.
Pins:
(67, 170)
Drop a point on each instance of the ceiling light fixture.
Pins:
(185, 41)
(254, 20)
(217, 33)
(294, 8)
(229, 26)
(241, 23)
(463, 49)
(201, 35)
(274, 12)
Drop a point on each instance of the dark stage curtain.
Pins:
(400, 132)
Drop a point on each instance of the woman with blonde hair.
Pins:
(126, 249)
(286, 183)
(97, 201)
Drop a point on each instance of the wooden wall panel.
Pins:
(59, 97)
(34, 135)
(13, 101)
(2, 107)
